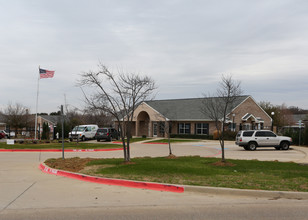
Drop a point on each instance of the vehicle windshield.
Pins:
(79, 128)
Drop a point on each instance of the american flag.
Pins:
(46, 73)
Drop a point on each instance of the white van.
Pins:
(83, 132)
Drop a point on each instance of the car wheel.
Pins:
(246, 148)
(98, 140)
(110, 138)
(83, 138)
(252, 146)
(277, 148)
(285, 145)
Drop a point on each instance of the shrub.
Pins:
(230, 135)
(294, 134)
(305, 136)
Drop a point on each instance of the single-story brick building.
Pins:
(186, 117)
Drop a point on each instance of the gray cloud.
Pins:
(185, 46)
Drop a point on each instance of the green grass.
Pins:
(172, 140)
(245, 174)
(70, 145)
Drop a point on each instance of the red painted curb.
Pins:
(58, 150)
(117, 182)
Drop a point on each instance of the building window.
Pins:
(184, 128)
(202, 128)
(232, 126)
(246, 126)
(162, 127)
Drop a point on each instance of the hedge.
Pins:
(192, 136)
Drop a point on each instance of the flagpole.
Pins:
(37, 95)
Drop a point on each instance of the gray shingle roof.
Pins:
(52, 118)
(187, 109)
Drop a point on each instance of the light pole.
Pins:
(273, 113)
(233, 127)
(300, 129)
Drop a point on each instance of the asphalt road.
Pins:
(28, 193)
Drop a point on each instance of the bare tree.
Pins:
(167, 129)
(282, 114)
(98, 117)
(220, 104)
(119, 95)
(16, 116)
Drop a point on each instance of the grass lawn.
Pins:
(242, 174)
(70, 145)
(172, 140)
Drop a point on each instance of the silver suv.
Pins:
(251, 139)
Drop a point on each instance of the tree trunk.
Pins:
(223, 151)
(124, 148)
(128, 149)
(222, 143)
(170, 150)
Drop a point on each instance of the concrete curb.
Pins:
(247, 192)
(178, 189)
(109, 181)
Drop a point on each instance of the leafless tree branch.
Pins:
(119, 95)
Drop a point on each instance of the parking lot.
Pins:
(210, 148)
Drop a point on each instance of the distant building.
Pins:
(297, 121)
(2, 124)
(28, 131)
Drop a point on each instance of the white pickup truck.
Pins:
(251, 139)
(83, 132)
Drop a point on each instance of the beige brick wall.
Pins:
(147, 116)
(154, 116)
(175, 125)
(250, 106)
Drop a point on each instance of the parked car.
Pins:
(6, 135)
(2, 135)
(106, 134)
(83, 132)
(252, 139)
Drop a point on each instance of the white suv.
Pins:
(251, 139)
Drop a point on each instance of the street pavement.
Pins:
(28, 193)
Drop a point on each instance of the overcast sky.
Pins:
(185, 46)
